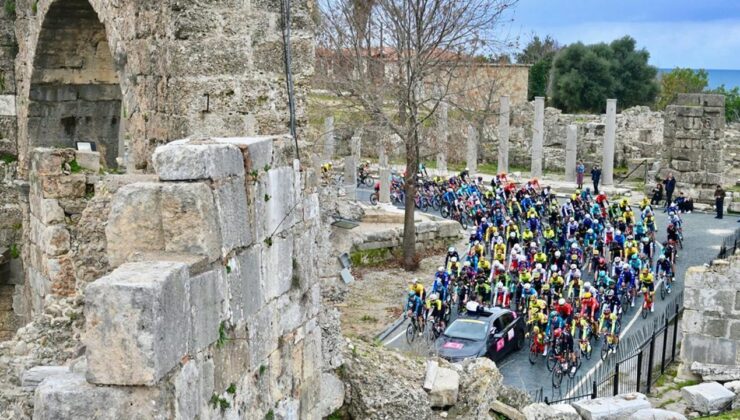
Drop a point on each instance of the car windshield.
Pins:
(467, 329)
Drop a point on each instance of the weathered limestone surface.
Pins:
(472, 145)
(571, 153)
(621, 406)
(708, 397)
(538, 133)
(710, 326)
(139, 313)
(503, 134)
(542, 411)
(610, 139)
(193, 162)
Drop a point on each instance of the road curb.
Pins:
(383, 335)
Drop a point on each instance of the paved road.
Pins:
(703, 235)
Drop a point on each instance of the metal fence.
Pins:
(729, 245)
(639, 361)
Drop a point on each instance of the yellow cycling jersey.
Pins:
(499, 248)
(491, 232)
(548, 233)
(478, 249)
(557, 280)
(646, 278)
(525, 276)
(540, 257)
(437, 304)
(418, 288)
(484, 264)
(527, 235)
(499, 256)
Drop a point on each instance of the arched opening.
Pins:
(75, 92)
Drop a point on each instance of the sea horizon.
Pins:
(730, 78)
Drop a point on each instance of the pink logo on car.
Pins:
(453, 345)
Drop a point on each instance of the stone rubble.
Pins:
(708, 397)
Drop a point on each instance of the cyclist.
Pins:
(646, 280)
(441, 283)
(451, 252)
(664, 266)
(418, 288)
(589, 306)
(414, 308)
(564, 342)
(435, 311)
(608, 326)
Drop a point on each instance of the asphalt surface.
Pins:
(703, 235)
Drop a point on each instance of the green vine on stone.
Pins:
(219, 402)
(231, 389)
(222, 337)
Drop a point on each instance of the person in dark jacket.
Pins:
(719, 201)
(596, 177)
(657, 194)
(670, 186)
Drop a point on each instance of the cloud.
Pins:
(706, 44)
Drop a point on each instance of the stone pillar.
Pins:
(356, 145)
(610, 137)
(350, 176)
(538, 134)
(329, 144)
(472, 156)
(443, 133)
(571, 153)
(382, 157)
(503, 135)
(385, 185)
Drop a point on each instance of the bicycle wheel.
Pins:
(572, 372)
(410, 333)
(662, 290)
(435, 204)
(464, 221)
(645, 311)
(374, 199)
(550, 361)
(557, 375)
(368, 181)
(586, 352)
(604, 350)
(445, 212)
(533, 355)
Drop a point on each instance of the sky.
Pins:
(677, 33)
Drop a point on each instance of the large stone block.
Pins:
(187, 161)
(695, 347)
(45, 161)
(245, 283)
(278, 267)
(63, 186)
(332, 394)
(708, 397)
(70, 397)
(256, 151)
(138, 316)
(134, 222)
(88, 160)
(230, 197)
(262, 329)
(31, 378)
(656, 414)
(621, 406)
(445, 388)
(189, 221)
(49, 211)
(716, 372)
(279, 201)
(542, 411)
(194, 387)
(55, 240)
(207, 308)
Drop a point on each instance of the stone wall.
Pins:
(178, 69)
(711, 319)
(211, 298)
(694, 144)
(639, 135)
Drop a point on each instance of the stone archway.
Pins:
(75, 92)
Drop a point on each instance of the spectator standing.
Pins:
(719, 201)
(580, 170)
(657, 194)
(596, 177)
(670, 186)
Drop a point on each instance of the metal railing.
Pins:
(639, 362)
(639, 165)
(729, 245)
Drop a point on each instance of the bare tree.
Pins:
(401, 62)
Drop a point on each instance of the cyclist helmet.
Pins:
(538, 266)
(476, 242)
(618, 232)
(466, 264)
(557, 254)
(561, 301)
(645, 270)
(499, 285)
(451, 249)
(645, 239)
(542, 304)
(527, 286)
(512, 235)
(453, 259)
(610, 293)
(433, 297)
(590, 230)
(602, 260)
(573, 267)
(573, 246)
(441, 269)
(661, 257)
(412, 293)
(554, 267)
(557, 333)
(617, 259)
(483, 219)
(587, 295)
(554, 313)
(546, 287)
(587, 285)
(671, 214)
(533, 244)
(607, 311)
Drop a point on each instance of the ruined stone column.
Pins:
(329, 143)
(443, 133)
(350, 176)
(382, 157)
(385, 185)
(503, 135)
(356, 146)
(538, 136)
(472, 155)
(610, 137)
(571, 152)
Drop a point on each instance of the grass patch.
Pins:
(7, 158)
(368, 318)
(666, 403)
(370, 257)
(730, 415)
(686, 383)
